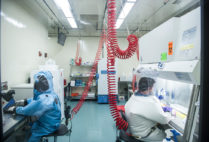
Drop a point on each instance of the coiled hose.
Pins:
(78, 61)
(113, 51)
(92, 75)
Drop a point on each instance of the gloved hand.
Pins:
(160, 97)
(21, 102)
(11, 110)
(167, 109)
(175, 135)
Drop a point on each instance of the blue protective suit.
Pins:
(44, 105)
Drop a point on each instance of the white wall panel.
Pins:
(22, 36)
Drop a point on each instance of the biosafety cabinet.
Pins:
(171, 54)
(177, 39)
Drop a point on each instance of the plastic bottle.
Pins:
(169, 134)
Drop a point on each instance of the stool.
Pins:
(62, 130)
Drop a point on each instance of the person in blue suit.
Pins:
(44, 108)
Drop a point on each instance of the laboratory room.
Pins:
(104, 71)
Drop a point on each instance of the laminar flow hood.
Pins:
(182, 71)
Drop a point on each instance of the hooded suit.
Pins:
(44, 105)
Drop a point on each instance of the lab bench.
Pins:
(11, 123)
(177, 124)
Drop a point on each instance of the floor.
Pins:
(93, 123)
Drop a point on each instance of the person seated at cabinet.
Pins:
(44, 108)
(144, 113)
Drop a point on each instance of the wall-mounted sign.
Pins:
(170, 48)
(163, 56)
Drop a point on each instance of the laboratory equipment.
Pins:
(178, 93)
(11, 122)
(169, 134)
(178, 74)
(23, 91)
(103, 82)
(8, 97)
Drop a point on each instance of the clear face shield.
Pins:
(41, 83)
(146, 80)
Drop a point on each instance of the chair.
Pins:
(123, 135)
(62, 130)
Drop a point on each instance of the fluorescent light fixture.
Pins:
(118, 23)
(72, 22)
(62, 3)
(126, 9)
(67, 12)
(131, 0)
(124, 12)
(65, 6)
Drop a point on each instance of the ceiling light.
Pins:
(67, 13)
(65, 6)
(131, 0)
(118, 23)
(126, 9)
(62, 3)
(72, 22)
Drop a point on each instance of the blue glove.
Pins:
(160, 97)
(167, 109)
(175, 134)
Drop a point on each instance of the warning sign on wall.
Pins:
(170, 48)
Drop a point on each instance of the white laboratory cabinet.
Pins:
(177, 74)
(102, 81)
(23, 91)
(183, 32)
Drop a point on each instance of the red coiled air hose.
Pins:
(78, 63)
(113, 51)
(112, 39)
(92, 75)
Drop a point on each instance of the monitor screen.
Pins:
(61, 38)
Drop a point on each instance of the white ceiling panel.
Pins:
(89, 15)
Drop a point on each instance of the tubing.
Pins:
(78, 63)
(112, 39)
(113, 51)
(92, 75)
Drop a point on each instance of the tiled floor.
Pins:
(93, 123)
